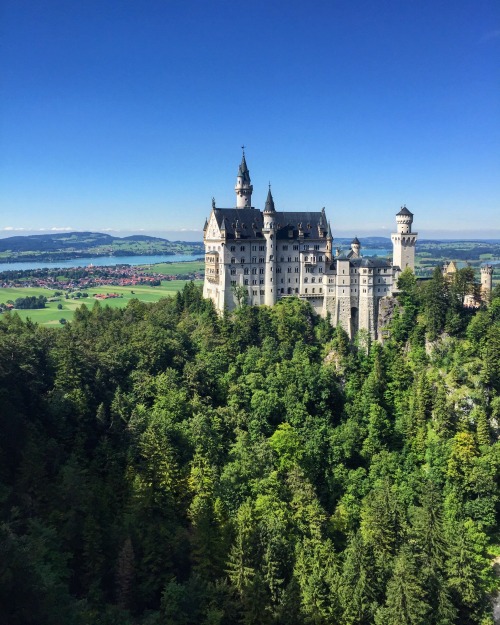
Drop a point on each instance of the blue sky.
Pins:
(129, 116)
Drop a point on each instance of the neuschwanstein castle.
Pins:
(274, 254)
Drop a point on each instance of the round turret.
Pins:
(243, 186)
(486, 280)
(356, 246)
(404, 220)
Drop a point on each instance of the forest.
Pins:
(161, 464)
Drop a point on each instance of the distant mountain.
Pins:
(68, 245)
(142, 237)
(68, 240)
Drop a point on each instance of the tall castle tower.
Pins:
(243, 186)
(486, 281)
(269, 232)
(404, 240)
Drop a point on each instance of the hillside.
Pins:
(61, 246)
(162, 464)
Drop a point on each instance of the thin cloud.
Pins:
(12, 229)
(56, 229)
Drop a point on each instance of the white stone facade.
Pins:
(274, 254)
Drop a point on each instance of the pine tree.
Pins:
(406, 601)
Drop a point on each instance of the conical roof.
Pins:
(269, 208)
(404, 211)
(355, 241)
(243, 170)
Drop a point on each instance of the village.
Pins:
(92, 277)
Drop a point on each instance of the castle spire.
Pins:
(269, 208)
(243, 186)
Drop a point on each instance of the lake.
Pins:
(102, 261)
(111, 261)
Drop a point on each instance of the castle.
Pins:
(269, 255)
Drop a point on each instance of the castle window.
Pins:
(254, 282)
(320, 258)
(254, 292)
(282, 259)
(295, 247)
(285, 247)
(306, 247)
(233, 282)
(289, 259)
(242, 248)
(271, 257)
(242, 261)
(282, 290)
(296, 290)
(261, 271)
(316, 247)
(233, 272)
(261, 292)
(246, 271)
(254, 248)
(262, 248)
(289, 280)
(254, 259)
(278, 269)
(232, 248)
(296, 259)
(321, 290)
(246, 282)
(296, 270)
(261, 281)
(306, 279)
(282, 280)
(254, 271)
(320, 270)
(262, 260)
(305, 290)
(314, 290)
(233, 260)
(306, 258)
(289, 270)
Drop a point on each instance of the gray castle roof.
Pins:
(250, 222)
(243, 170)
(355, 241)
(269, 208)
(404, 211)
(372, 262)
(363, 262)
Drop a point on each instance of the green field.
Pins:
(174, 269)
(51, 314)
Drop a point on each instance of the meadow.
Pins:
(175, 269)
(50, 315)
